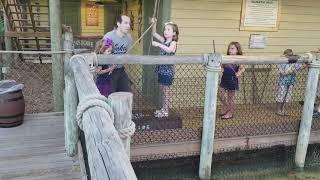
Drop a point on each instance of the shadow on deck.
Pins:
(35, 150)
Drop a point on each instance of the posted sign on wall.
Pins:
(92, 15)
(260, 15)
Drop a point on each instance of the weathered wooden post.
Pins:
(57, 60)
(106, 155)
(7, 58)
(306, 120)
(70, 98)
(209, 118)
(121, 104)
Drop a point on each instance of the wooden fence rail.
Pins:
(200, 59)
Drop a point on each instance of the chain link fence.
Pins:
(255, 106)
(35, 72)
(255, 102)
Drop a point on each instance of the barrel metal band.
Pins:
(10, 100)
(14, 116)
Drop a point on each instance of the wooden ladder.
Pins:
(29, 24)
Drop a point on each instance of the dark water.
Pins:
(275, 163)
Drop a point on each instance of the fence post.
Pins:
(57, 61)
(7, 58)
(70, 98)
(121, 104)
(209, 118)
(306, 121)
(106, 156)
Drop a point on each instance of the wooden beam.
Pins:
(33, 23)
(70, 100)
(220, 145)
(209, 117)
(306, 120)
(27, 34)
(8, 58)
(106, 155)
(196, 59)
(121, 104)
(57, 59)
(83, 171)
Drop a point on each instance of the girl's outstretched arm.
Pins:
(170, 49)
(154, 31)
(241, 70)
(99, 68)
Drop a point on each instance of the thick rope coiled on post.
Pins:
(101, 101)
(128, 131)
(92, 101)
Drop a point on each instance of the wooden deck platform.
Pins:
(35, 150)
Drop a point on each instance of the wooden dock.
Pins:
(35, 150)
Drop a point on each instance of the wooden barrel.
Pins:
(11, 108)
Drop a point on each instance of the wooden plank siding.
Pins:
(202, 21)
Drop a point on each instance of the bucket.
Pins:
(12, 104)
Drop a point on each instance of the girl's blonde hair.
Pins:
(288, 52)
(175, 29)
(237, 45)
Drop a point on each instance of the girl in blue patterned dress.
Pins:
(230, 82)
(168, 47)
(287, 80)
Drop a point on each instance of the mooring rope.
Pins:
(101, 101)
(155, 12)
(98, 100)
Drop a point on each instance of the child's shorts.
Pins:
(166, 80)
(104, 89)
(284, 92)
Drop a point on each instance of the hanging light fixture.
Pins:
(99, 3)
(102, 2)
(96, 2)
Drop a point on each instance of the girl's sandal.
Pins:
(227, 117)
(222, 114)
(161, 114)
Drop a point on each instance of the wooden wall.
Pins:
(202, 21)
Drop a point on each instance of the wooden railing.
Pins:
(92, 120)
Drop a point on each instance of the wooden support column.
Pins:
(121, 104)
(70, 99)
(209, 118)
(106, 155)
(7, 58)
(7, 40)
(57, 60)
(306, 119)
